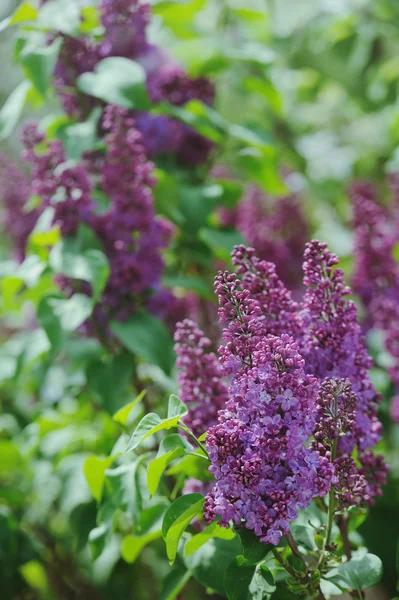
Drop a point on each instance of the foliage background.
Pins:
(317, 82)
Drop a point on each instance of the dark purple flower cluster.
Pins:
(17, 220)
(124, 23)
(60, 184)
(298, 371)
(275, 227)
(131, 235)
(376, 272)
(200, 378)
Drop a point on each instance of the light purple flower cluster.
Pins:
(131, 235)
(376, 272)
(17, 220)
(275, 227)
(200, 378)
(264, 471)
(124, 23)
(298, 372)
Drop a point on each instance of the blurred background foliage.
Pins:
(310, 86)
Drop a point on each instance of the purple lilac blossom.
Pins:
(63, 186)
(125, 23)
(264, 471)
(376, 272)
(275, 227)
(17, 220)
(129, 230)
(130, 233)
(200, 377)
(298, 371)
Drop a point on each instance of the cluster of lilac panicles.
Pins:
(264, 471)
(131, 235)
(333, 344)
(129, 230)
(336, 416)
(17, 220)
(200, 379)
(64, 186)
(298, 372)
(275, 227)
(124, 23)
(376, 272)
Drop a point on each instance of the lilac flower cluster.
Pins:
(124, 23)
(130, 233)
(17, 220)
(298, 372)
(376, 272)
(65, 187)
(264, 471)
(200, 378)
(275, 227)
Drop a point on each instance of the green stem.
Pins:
(284, 563)
(192, 436)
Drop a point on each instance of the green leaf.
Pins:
(71, 312)
(94, 469)
(358, 573)
(221, 242)
(210, 562)
(251, 52)
(152, 423)
(117, 80)
(12, 109)
(80, 137)
(25, 12)
(60, 15)
(177, 517)
(110, 377)
(176, 408)
(166, 196)
(188, 282)
(253, 550)
(122, 416)
(174, 582)
(304, 535)
(211, 531)
(172, 446)
(126, 487)
(132, 545)
(10, 457)
(262, 584)
(147, 337)
(237, 579)
(35, 576)
(150, 530)
(38, 61)
(50, 322)
(199, 116)
(67, 258)
(196, 467)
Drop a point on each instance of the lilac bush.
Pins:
(125, 23)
